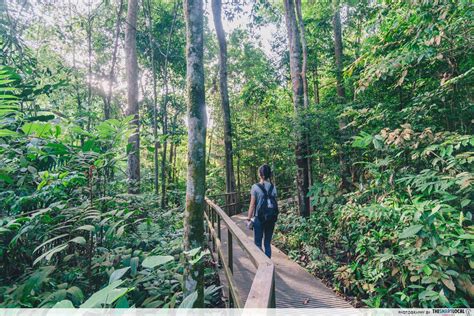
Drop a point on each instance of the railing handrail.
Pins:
(244, 192)
(262, 291)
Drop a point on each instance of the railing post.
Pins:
(273, 298)
(213, 220)
(229, 251)
(208, 230)
(233, 200)
(230, 262)
(219, 259)
(226, 203)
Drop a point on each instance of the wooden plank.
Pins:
(294, 286)
(279, 282)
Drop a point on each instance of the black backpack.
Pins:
(265, 213)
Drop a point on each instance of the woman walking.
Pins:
(263, 209)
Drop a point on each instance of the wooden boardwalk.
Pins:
(295, 287)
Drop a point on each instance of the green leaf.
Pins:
(201, 255)
(120, 231)
(4, 230)
(134, 266)
(449, 284)
(90, 228)
(49, 241)
(76, 294)
(465, 202)
(117, 274)
(64, 304)
(427, 270)
(49, 254)
(192, 252)
(445, 251)
(6, 178)
(154, 261)
(428, 295)
(363, 140)
(410, 231)
(37, 129)
(78, 240)
(466, 236)
(8, 133)
(189, 300)
(122, 303)
(103, 296)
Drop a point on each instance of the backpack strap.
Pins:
(264, 191)
(270, 191)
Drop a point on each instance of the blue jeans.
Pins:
(263, 231)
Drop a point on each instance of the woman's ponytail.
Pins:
(265, 172)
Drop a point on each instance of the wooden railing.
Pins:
(262, 291)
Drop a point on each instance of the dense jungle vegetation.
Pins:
(116, 117)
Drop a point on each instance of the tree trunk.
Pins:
(108, 98)
(338, 54)
(193, 279)
(89, 69)
(156, 143)
(170, 160)
(164, 112)
(76, 79)
(172, 146)
(224, 94)
(304, 70)
(132, 98)
(304, 51)
(336, 22)
(173, 176)
(209, 151)
(297, 78)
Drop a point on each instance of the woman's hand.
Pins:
(249, 224)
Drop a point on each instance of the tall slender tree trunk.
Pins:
(170, 160)
(89, 68)
(304, 51)
(164, 112)
(304, 70)
(155, 98)
(239, 184)
(224, 94)
(76, 79)
(338, 54)
(336, 22)
(133, 166)
(297, 78)
(173, 176)
(197, 121)
(209, 150)
(108, 98)
(172, 145)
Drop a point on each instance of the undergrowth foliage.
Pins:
(67, 238)
(405, 237)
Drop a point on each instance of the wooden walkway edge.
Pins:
(295, 287)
